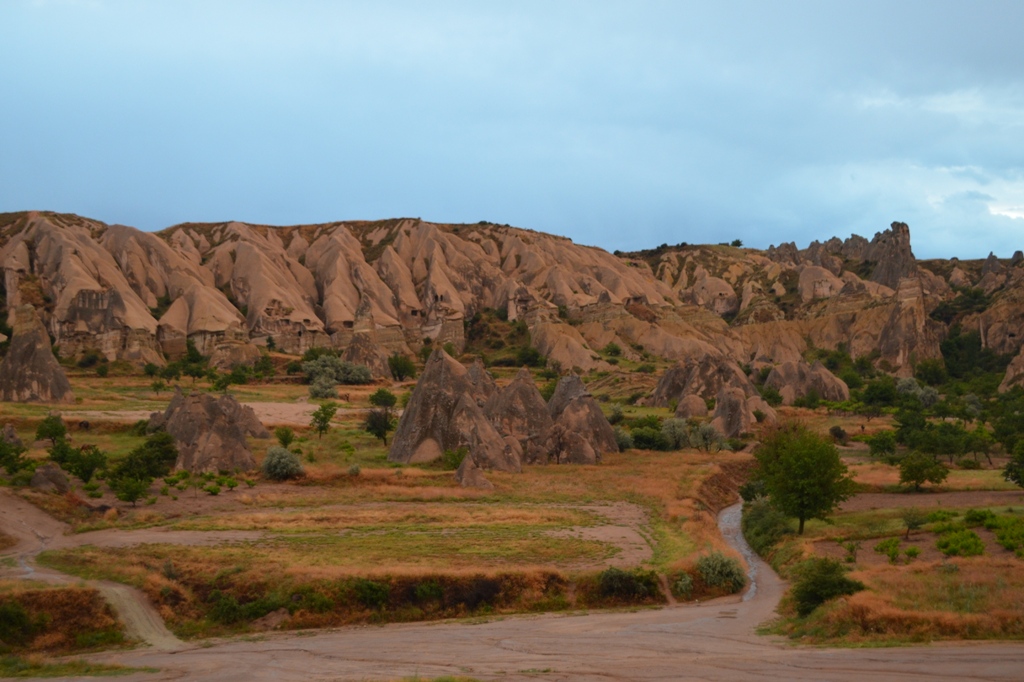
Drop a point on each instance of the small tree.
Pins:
(321, 420)
(913, 519)
(1014, 471)
(284, 436)
(51, 428)
(917, 469)
(803, 473)
(382, 397)
(402, 367)
(379, 422)
(130, 489)
(883, 445)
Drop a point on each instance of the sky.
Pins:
(619, 124)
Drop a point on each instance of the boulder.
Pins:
(10, 436)
(444, 413)
(817, 282)
(469, 475)
(49, 478)
(795, 380)
(210, 431)
(30, 372)
(691, 406)
(519, 411)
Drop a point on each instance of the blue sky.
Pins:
(623, 124)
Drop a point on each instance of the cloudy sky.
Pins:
(620, 124)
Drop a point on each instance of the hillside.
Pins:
(233, 287)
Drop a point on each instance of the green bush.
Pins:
(323, 388)
(682, 586)
(771, 396)
(17, 627)
(646, 438)
(718, 570)
(961, 543)
(615, 583)
(51, 428)
(818, 581)
(763, 526)
(623, 439)
(371, 594)
(978, 517)
(285, 435)
(889, 547)
(452, 459)
(152, 459)
(402, 367)
(281, 465)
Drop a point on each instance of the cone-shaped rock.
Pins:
(210, 431)
(364, 350)
(518, 410)
(444, 413)
(734, 412)
(581, 433)
(795, 380)
(29, 372)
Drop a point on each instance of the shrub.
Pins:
(616, 583)
(379, 422)
(130, 489)
(613, 349)
(529, 356)
(978, 517)
(402, 367)
(676, 433)
(323, 388)
(354, 470)
(382, 397)
(452, 459)
(839, 434)
(819, 581)
(616, 415)
(771, 396)
(682, 586)
(371, 594)
(763, 526)
(707, 438)
(718, 570)
(17, 627)
(960, 543)
(647, 438)
(912, 553)
(333, 368)
(889, 547)
(623, 439)
(152, 459)
(281, 465)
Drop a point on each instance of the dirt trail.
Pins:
(36, 531)
(713, 641)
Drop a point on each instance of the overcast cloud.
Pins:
(623, 125)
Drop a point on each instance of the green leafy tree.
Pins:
(379, 422)
(917, 468)
(321, 421)
(51, 428)
(130, 489)
(152, 459)
(382, 397)
(402, 367)
(284, 435)
(883, 445)
(1014, 471)
(12, 457)
(803, 473)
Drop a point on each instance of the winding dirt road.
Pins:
(713, 641)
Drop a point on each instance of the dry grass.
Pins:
(981, 598)
(65, 619)
(886, 477)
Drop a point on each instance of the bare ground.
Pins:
(713, 641)
(271, 414)
(963, 499)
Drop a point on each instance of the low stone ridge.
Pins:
(795, 380)
(210, 431)
(30, 372)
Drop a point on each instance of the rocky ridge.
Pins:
(375, 288)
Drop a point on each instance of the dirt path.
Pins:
(713, 641)
(271, 414)
(963, 498)
(627, 530)
(36, 531)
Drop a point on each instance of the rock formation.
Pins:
(29, 372)
(10, 436)
(518, 410)
(210, 431)
(797, 379)
(704, 377)
(736, 413)
(49, 478)
(445, 413)
(581, 433)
